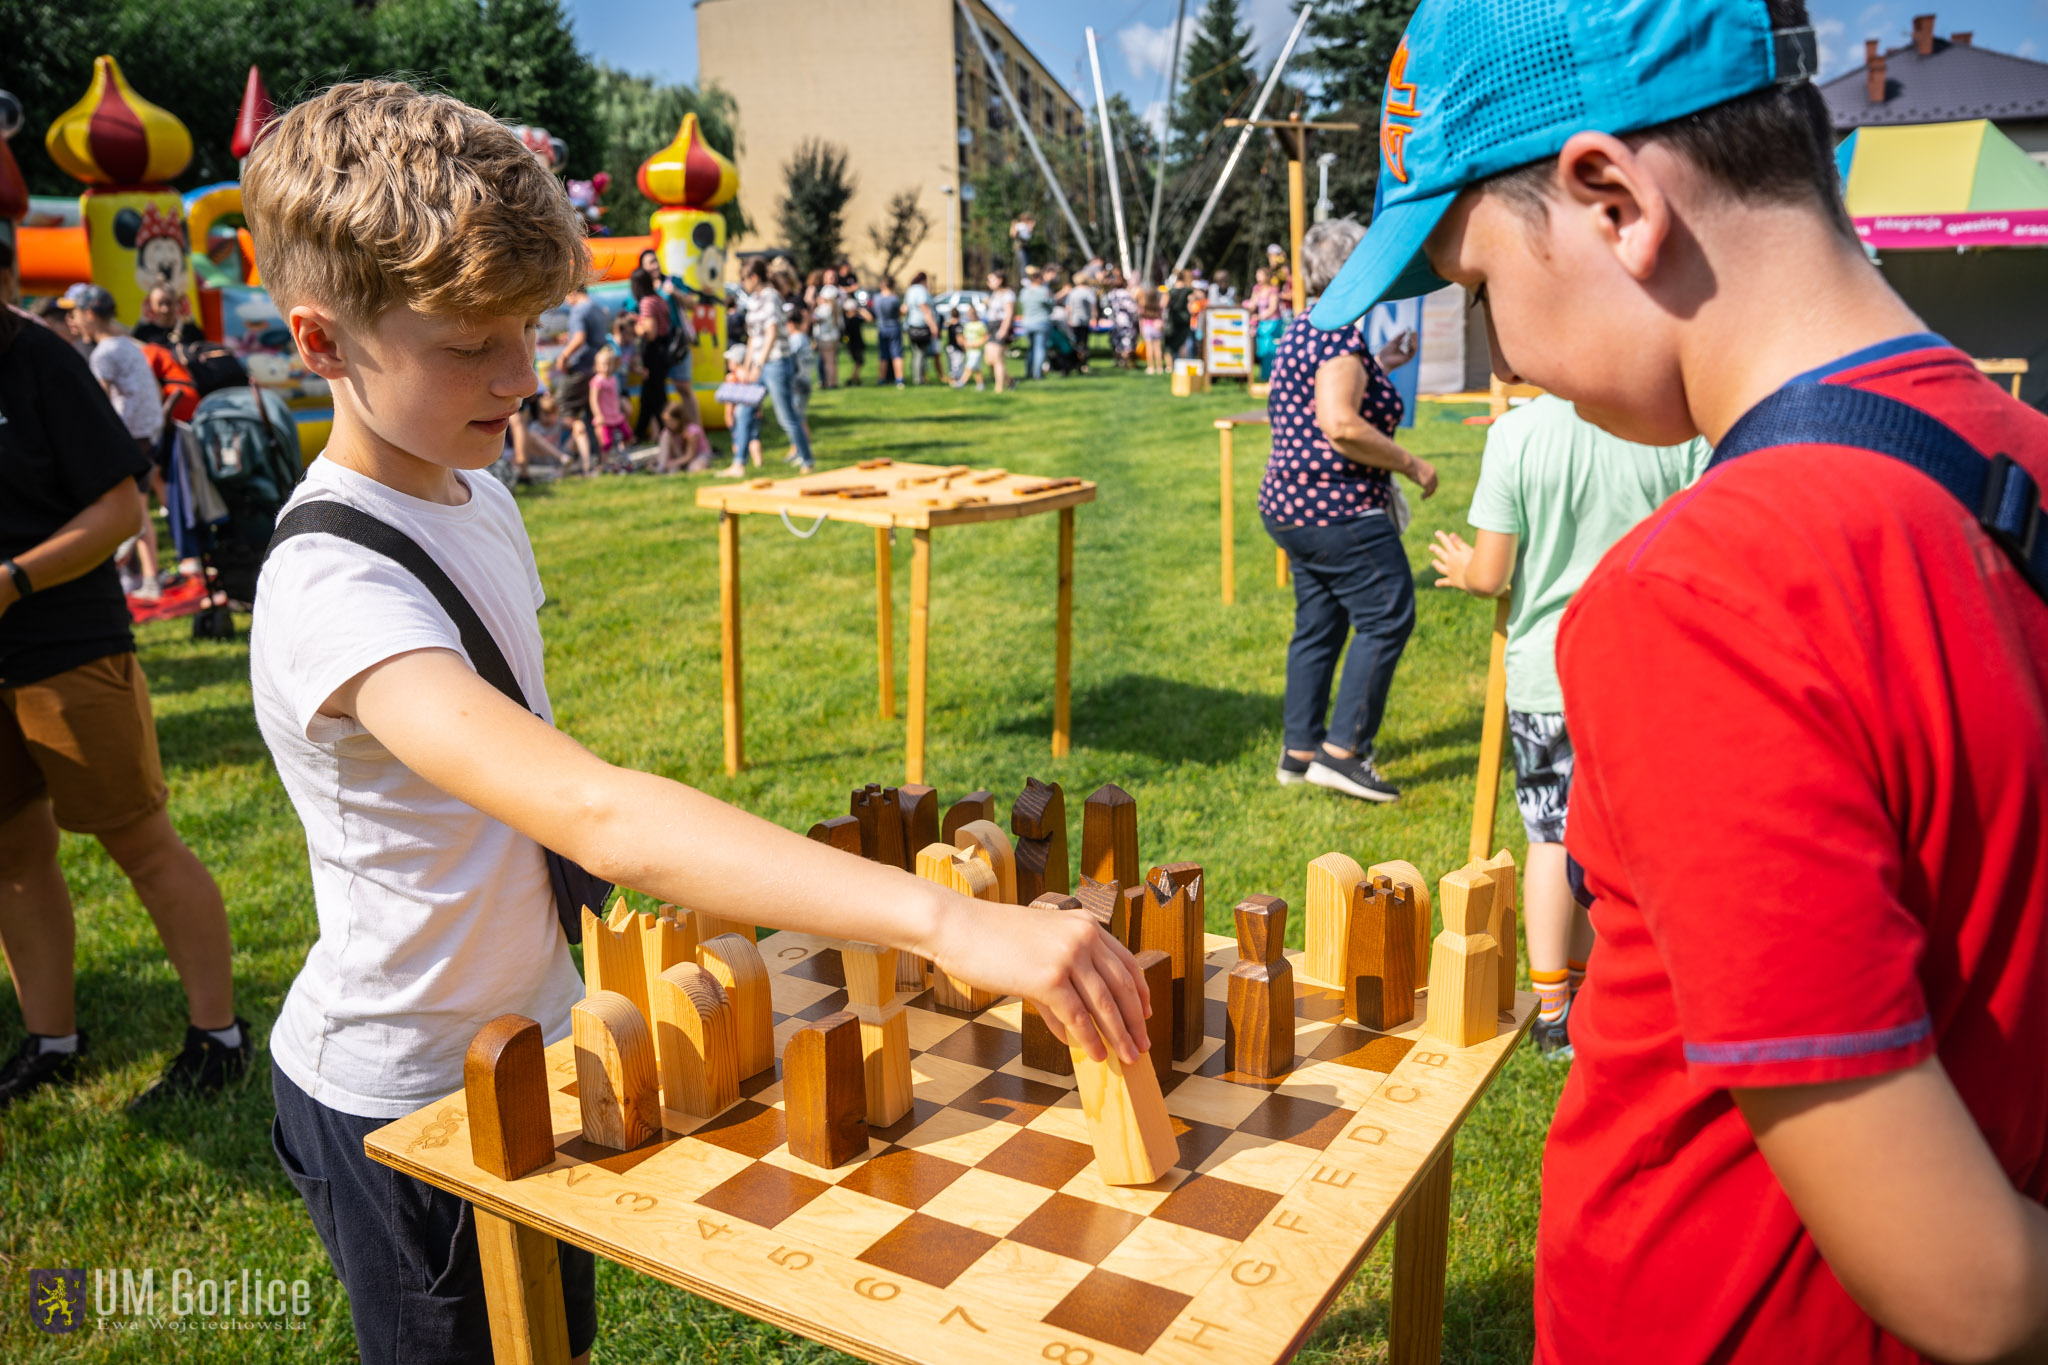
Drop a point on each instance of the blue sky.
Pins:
(659, 37)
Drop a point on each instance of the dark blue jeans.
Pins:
(1350, 577)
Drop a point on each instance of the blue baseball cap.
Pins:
(1478, 87)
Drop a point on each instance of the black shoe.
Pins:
(31, 1068)
(1293, 771)
(1554, 1036)
(1354, 776)
(202, 1067)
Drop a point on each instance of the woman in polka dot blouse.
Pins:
(1328, 500)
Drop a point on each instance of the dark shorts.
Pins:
(86, 739)
(1543, 772)
(572, 393)
(405, 1250)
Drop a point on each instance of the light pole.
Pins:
(952, 208)
(1324, 207)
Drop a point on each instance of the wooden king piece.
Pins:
(884, 1029)
(1038, 818)
(1174, 924)
(505, 1082)
(1327, 932)
(615, 1082)
(735, 963)
(1260, 1001)
(1463, 997)
(1041, 1049)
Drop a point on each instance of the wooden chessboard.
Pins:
(976, 1229)
(894, 493)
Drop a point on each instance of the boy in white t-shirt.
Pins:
(412, 243)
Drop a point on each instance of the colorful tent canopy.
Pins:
(1943, 185)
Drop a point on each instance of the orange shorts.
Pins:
(85, 739)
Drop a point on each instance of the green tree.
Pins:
(812, 209)
(905, 226)
(1345, 53)
(640, 116)
(1217, 80)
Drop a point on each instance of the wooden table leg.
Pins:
(1223, 435)
(1492, 734)
(885, 619)
(1422, 1235)
(522, 1291)
(729, 639)
(920, 649)
(1063, 641)
(1279, 567)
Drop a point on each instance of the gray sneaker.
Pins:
(1293, 771)
(1354, 776)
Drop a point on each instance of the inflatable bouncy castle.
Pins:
(691, 180)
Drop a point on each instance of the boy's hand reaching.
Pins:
(1084, 982)
(1450, 556)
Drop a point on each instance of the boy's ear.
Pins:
(315, 333)
(1602, 177)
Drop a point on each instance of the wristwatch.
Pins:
(22, 587)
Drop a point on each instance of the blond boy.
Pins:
(412, 243)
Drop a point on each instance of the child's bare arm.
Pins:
(435, 715)
(1912, 1211)
(1484, 570)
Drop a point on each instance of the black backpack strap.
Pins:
(1999, 492)
(353, 524)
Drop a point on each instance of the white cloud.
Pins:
(1155, 118)
(1835, 50)
(1146, 50)
(1270, 21)
(2027, 48)
(1006, 8)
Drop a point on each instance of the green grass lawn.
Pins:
(1175, 697)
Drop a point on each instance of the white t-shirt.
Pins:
(434, 918)
(119, 363)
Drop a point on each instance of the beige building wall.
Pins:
(887, 80)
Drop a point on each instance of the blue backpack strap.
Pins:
(1999, 492)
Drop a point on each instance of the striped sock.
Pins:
(1553, 989)
(1577, 969)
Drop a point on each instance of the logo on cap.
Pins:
(1400, 102)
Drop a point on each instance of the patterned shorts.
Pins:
(1543, 772)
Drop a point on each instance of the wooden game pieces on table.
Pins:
(616, 1086)
(1038, 819)
(1464, 963)
(871, 990)
(1260, 1003)
(735, 964)
(693, 1031)
(1042, 1051)
(888, 495)
(984, 1223)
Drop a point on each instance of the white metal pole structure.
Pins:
(1244, 135)
(952, 263)
(1324, 208)
(1024, 124)
(1116, 194)
(1159, 175)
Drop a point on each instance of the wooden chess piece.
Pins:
(824, 1088)
(973, 806)
(1327, 930)
(1379, 968)
(1260, 999)
(1463, 997)
(917, 810)
(970, 876)
(1174, 924)
(1404, 874)
(735, 963)
(667, 939)
(1109, 836)
(1105, 901)
(611, 955)
(1157, 969)
(884, 1029)
(693, 1041)
(841, 831)
(1038, 818)
(1501, 867)
(1041, 1049)
(505, 1084)
(881, 824)
(1126, 1117)
(615, 1081)
(986, 838)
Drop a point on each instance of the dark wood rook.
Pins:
(1379, 960)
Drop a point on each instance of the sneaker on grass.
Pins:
(1553, 1037)
(204, 1066)
(31, 1067)
(1354, 776)
(1293, 771)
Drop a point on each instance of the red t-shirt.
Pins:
(1809, 698)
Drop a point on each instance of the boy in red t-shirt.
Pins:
(1809, 1115)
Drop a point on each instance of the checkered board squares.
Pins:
(977, 1229)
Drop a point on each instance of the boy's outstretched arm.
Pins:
(1484, 569)
(435, 715)
(1912, 1211)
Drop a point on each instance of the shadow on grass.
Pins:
(204, 664)
(210, 737)
(1163, 718)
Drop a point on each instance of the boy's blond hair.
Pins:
(372, 194)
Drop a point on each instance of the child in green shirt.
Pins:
(1554, 493)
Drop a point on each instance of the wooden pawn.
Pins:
(841, 832)
(1157, 969)
(979, 805)
(1327, 930)
(505, 1085)
(735, 963)
(1109, 836)
(616, 1087)
(693, 1042)
(1126, 1117)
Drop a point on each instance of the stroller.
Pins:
(230, 473)
(1061, 355)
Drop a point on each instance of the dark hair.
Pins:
(641, 283)
(918, 278)
(1771, 146)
